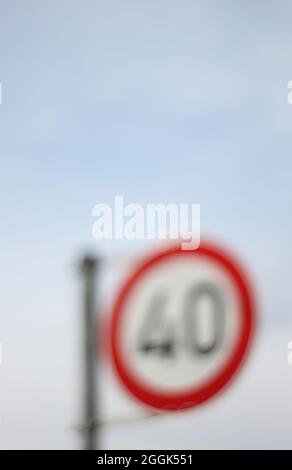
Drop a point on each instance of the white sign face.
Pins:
(181, 327)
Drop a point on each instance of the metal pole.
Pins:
(88, 269)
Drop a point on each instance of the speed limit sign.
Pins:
(181, 327)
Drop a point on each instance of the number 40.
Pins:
(203, 328)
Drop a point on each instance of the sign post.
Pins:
(88, 269)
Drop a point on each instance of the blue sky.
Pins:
(156, 101)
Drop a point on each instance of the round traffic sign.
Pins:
(181, 326)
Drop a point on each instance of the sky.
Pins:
(158, 101)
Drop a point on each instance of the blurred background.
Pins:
(159, 101)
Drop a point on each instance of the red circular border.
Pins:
(175, 401)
